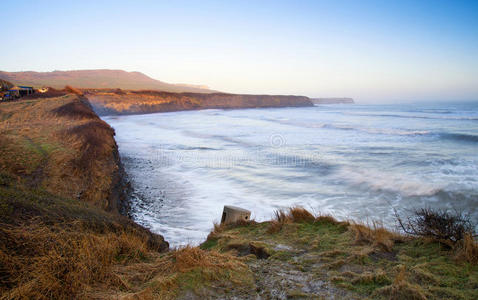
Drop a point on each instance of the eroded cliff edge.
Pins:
(61, 194)
(118, 102)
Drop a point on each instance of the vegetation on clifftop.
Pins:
(316, 256)
(61, 235)
(117, 101)
(58, 165)
(302, 256)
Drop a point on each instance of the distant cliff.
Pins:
(114, 102)
(332, 100)
(98, 79)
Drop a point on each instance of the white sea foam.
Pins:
(405, 184)
(185, 168)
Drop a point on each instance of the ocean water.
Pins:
(356, 162)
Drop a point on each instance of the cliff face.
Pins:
(61, 194)
(69, 151)
(332, 100)
(111, 102)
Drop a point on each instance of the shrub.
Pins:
(440, 225)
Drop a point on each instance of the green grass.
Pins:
(334, 255)
(209, 244)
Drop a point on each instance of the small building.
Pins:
(14, 92)
(20, 91)
(26, 90)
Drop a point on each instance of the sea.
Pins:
(362, 163)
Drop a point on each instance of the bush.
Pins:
(440, 225)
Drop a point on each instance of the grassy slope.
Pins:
(47, 144)
(57, 240)
(319, 257)
(305, 258)
(57, 166)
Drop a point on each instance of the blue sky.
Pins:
(370, 50)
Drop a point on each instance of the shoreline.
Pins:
(63, 245)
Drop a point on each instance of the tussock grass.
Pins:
(189, 269)
(188, 258)
(300, 214)
(401, 289)
(375, 235)
(467, 249)
(368, 260)
(296, 214)
(54, 262)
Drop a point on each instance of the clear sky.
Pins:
(370, 50)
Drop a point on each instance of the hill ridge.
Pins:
(99, 78)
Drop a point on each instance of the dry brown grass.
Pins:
(41, 261)
(54, 152)
(93, 140)
(296, 214)
(375, 235)
(467, 249)
(276, 224)
(401, 289)
(327, 219)
(60, 144)
(75, 110)
(72, 90)
(188, 258)
(300, 214)
(187, 268)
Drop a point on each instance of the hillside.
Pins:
(61, 194)
(298, 255)
(98, 79)
(112, 102)
(61, 236)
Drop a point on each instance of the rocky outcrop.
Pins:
(114, 102)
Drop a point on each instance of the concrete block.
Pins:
(232, 214)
